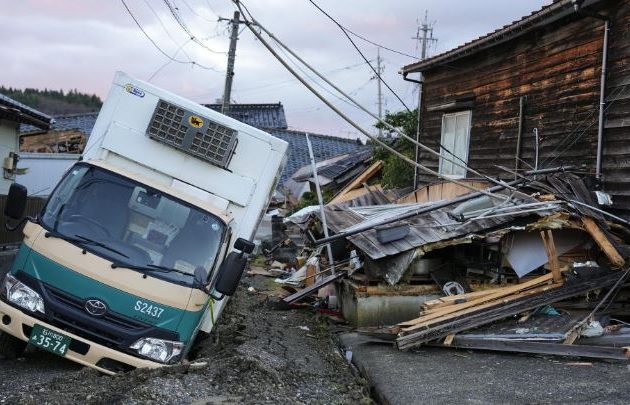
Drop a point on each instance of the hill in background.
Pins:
(55, 102)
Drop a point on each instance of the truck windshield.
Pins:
(133, 225)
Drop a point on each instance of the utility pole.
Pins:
(425, 40)
(379, 69)
(229, 74)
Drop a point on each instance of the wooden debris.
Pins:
(311, 270)
(449, 339)
(499, 294)
(550, 248)
(602, 241)
(421, 330)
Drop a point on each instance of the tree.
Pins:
(396, 172)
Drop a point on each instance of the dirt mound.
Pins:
(256, 355)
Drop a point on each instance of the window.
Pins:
(455, 138)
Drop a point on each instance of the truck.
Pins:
(136, 250)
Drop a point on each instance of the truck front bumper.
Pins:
(14, 322)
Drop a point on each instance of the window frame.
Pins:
(467, 144)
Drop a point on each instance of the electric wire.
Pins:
(250, 25)
(168, 62)
(573, 137)
(196, 13)
(378, 74)
(356, 104)
(157, 16)
(180, 21)
(190, 62)
(466, 166)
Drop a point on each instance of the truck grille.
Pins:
(101, 330)
(206, 139)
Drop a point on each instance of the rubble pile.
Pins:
(537, 265)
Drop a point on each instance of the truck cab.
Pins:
(132, 255)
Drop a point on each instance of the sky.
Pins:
(79, 44)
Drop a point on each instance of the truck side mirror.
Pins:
(230, 273)
(244, 245)
(16, 202)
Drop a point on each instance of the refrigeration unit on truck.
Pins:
(131, 256)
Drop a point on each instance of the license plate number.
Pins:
(49, 340)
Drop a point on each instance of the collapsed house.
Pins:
(532, 262)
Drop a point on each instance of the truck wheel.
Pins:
(11, 347)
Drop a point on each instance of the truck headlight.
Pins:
(158, 349)
(21, 295)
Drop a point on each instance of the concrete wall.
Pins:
(8, 143)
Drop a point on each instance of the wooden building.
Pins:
(529, 94)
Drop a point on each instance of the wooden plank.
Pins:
(504, 292)
(550, 248)
(449, 339)
(358, 181)
(502, 301)
(602, 241)
(431, 305)
(479, 318)
(310, 275)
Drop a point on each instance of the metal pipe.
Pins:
(416, 172)
(436, 206)
(537, 140)
(521, 122)
(602, 104)
(321, 202)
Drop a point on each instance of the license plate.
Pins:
(49, 340)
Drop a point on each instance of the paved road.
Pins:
(435, 375)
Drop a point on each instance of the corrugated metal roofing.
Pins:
(547, 14)
(22, 113)
(434, 226)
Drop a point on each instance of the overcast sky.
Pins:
(66, 44)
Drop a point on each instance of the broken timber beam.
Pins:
(501, 293)
(603, 242)
(550, 248)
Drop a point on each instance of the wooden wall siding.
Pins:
(558, 69)
(441, 191)
(616, 163)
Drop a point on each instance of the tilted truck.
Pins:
(129, 259)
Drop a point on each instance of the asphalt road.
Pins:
(437, 375)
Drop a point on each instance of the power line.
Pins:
(360, 53)
(356, 104)
(172, 59)
(148, 3)
(168, 62)
(196, 13)
(182, 24)
(573, 136)
(251, 24)
(293, 80)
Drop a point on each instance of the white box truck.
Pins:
(136, 247)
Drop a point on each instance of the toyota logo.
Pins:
(95, 307)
